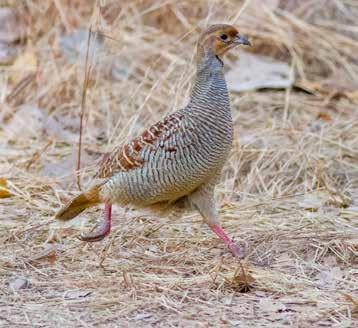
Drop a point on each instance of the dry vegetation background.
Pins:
(289, 192)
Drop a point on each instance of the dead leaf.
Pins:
(324, 117)
(254, 72)
(242, 280)
(4, 191)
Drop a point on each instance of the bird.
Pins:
(180, 156)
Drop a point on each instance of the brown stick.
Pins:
(83, 104)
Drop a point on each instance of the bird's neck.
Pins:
(209, 104)
(210, 86)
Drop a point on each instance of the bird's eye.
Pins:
(223, 37)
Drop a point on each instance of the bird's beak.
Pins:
(240, 39)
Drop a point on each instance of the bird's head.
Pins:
(218, 39)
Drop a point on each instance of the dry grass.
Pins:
(290, 193)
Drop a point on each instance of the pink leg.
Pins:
(219, 231)
(104, 228)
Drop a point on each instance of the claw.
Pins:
(94, 236)
(103, 230)
(236, 250)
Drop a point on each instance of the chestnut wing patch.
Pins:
(128, 157)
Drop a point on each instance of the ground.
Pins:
(288, 194)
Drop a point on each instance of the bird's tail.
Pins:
(79, 203)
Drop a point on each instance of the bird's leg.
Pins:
(233, 247)
(103, 229)
(203, 199)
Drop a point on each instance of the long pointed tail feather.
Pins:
(79, 203)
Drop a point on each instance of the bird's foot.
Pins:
(104, 228)
(96, 235)
(236, 250)
(233, 247)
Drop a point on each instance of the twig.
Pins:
(83, 104)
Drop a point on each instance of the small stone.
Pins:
(12, 27)
(19, 283)
(76, 294)
(142, 316)
(7, 54)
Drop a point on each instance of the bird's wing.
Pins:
(158, 137)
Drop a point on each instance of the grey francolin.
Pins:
(182, 155)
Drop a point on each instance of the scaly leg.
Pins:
(103, 229)
(233, 247)
(203, 199)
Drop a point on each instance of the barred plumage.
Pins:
(183, 154)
